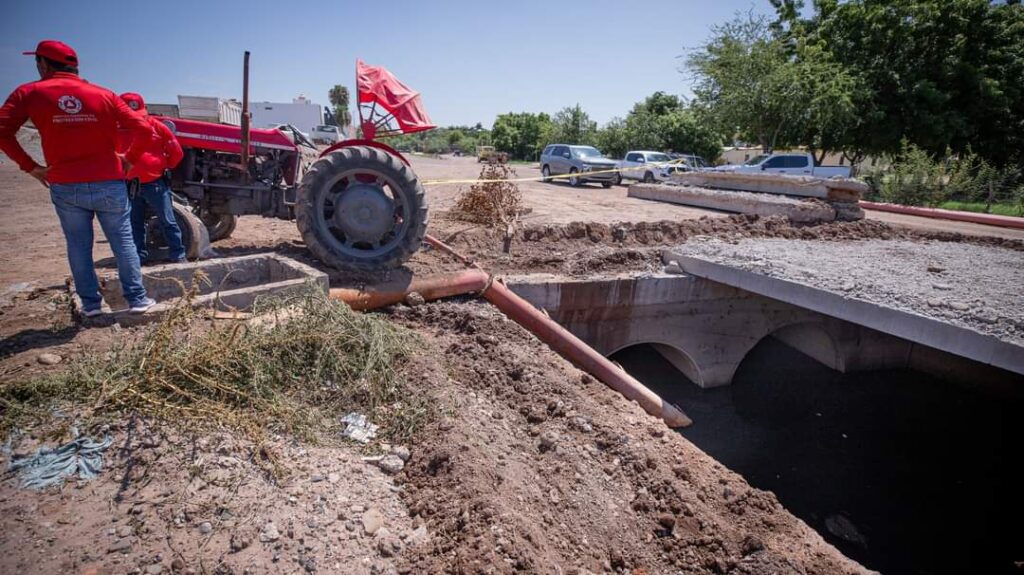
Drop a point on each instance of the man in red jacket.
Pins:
(78, 124)
(163, 153)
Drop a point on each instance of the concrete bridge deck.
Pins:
(707, 319)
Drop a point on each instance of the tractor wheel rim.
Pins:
(365, 212)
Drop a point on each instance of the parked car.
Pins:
(325, 135)
(582, 163)
(787, 163)
(646, 166)
(296, 135)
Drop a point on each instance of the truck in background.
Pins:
(210, 109)
(788, 164)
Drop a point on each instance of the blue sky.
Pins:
(471, 60)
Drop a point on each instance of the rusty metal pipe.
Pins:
(582, 355)
(430, 288)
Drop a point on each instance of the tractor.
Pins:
(357, 204)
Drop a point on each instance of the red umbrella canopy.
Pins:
(391, 106)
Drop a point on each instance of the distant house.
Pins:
(301, 113)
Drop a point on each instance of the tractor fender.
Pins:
(370, 143)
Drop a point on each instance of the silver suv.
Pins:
(582, 163)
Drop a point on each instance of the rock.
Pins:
(843, 528)
(239, 541)
(125, 531)
(936, 269)
(943, 287)
(205, 528)
(751, 545)
(122, 545)
(673, 268)
(959, 306)
(414, 299)
(387, 544)
(269, 533)
(49, 358)
(372, 521)
(548, 441)
(934, 302)
(316, 478)
(177, 564)
(333, 477)
(667, 521)
(391, 464)
(402, 452)
(155, 569)
(309, 565)
(418, 536)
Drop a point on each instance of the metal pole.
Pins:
(245, 116)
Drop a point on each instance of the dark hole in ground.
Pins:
(901, 471)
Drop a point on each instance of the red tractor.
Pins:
(358, 204)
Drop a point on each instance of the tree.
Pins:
(761, 81)
(573, 126)
(745, 82)
(521, 135)
(662, 122)
(612, 139)
(938, 73)
(339, 98)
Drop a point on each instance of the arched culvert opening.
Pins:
(881, 463)
(812, 340)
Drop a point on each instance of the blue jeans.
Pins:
(76, 205)
(158, 197)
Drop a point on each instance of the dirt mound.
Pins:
(541, 469)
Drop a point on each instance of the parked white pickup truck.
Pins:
(654, 166)
(788, 163)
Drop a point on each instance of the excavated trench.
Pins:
(902, 471)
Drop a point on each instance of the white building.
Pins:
(301, 113)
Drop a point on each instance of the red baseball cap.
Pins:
(134, 101)
(56, 51)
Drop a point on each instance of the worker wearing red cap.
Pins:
(78, 123)
(163, 154)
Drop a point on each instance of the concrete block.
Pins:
(804, 211)
(838, 189)
(223, 284)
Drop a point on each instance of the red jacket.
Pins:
(162, 153)
(78, 124)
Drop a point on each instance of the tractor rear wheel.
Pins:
(360, 208)
(220, 226)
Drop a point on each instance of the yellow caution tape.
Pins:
(558, 177)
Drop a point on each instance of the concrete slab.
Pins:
(222, 284)
(916, 328)
(838, 189)
(804, 210)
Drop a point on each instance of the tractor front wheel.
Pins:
(360, 208)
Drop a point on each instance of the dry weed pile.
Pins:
(489, 202)
(313, 361)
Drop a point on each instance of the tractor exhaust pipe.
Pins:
(245, 116)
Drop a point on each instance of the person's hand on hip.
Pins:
(39, 173)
